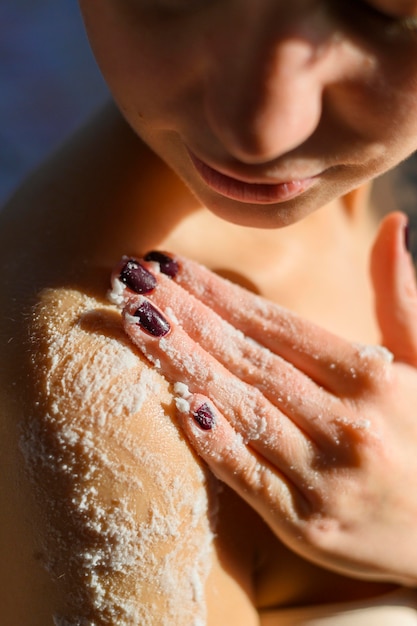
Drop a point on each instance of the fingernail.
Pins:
(151, 320)
(137, 278)
(407, 236)
(204, 417)
(167, 264)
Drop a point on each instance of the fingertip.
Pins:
(167, 262)
(141, 313)
(389, 253)
(196, 409)
(205, 427)
(129, 278)
(395, 288)
(204, 416)
(213, 438)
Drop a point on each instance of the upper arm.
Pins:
(126, 514)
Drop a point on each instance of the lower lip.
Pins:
(254, 193)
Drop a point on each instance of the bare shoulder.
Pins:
(126, 533)
(130, 508)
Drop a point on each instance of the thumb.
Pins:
(394, 282)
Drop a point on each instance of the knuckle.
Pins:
(257, 477)
(322, 532)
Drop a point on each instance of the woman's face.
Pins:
(268, 109)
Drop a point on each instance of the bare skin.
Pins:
(253, 569)
(115, 512)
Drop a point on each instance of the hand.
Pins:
(317, 434)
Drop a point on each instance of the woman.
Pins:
(208, 457)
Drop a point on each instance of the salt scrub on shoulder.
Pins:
(128, 522)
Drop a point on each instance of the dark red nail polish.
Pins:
(167, 264)
(407, 236)
(137, 278)
(151, 320)
(204, 417)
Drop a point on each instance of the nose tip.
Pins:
(259, 113)
(269, 133)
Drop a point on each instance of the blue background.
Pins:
(49, 82)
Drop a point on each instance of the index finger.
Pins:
(332, 361)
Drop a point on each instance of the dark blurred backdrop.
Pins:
(49, 82)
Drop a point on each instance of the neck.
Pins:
(226, 245)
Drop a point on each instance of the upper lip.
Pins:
(270, 174)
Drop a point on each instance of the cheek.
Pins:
(148, 70)
(396, 115)
(383, 105)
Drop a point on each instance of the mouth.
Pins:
(248, 191)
